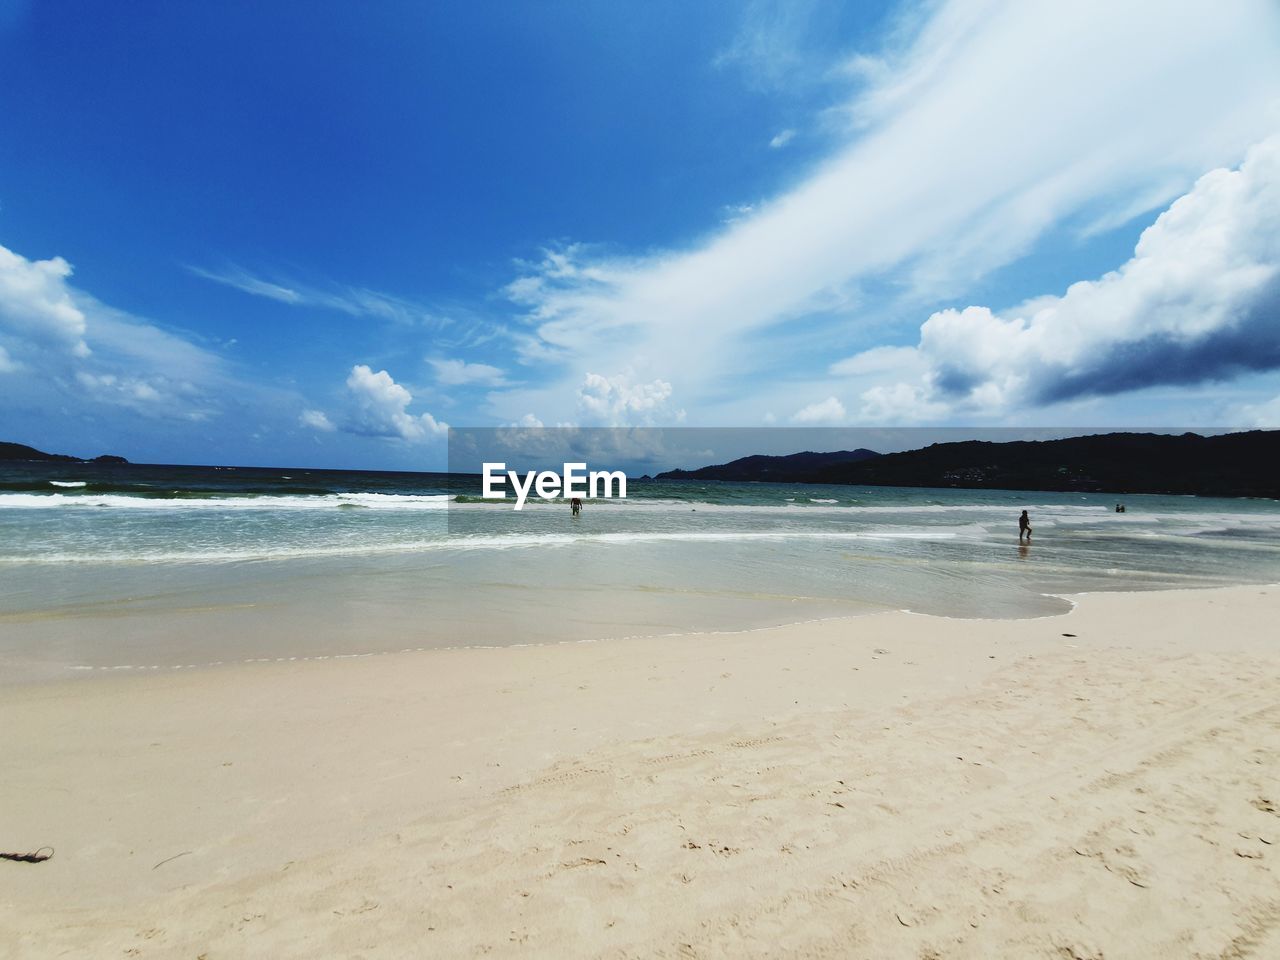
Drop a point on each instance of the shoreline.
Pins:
(90, 671)
(540, 800)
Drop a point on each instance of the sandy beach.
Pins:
(1100, 784)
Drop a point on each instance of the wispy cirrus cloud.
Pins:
(784, 46)
(353, 301)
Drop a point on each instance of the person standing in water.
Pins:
(1024, 527)
(575, 506)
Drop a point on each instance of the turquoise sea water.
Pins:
(110, 566)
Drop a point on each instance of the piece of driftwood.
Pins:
(39, 856)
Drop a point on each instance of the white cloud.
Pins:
(875, 360)
(1198, 301)
(246, 282)
(829, 410)
(353, 301)
(379, 408)
(64, 349)
(150, 394)
(617, 401)
(733, 212)
(900, 402)
(1262, 416)
(316, 420)
(457, 373)
(781, 139)
(129, 387)
(35, 301)
(773, 45)
(972, 141)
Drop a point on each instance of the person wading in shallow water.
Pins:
(1024, 527)
(575, 506)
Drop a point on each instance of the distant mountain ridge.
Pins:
(793, 468)
(1229, 465)
(20, 451)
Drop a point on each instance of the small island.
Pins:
(22, 453)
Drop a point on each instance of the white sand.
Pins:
(887, 786)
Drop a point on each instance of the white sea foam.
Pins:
(68, 483)
(379, 501)
(467, 543)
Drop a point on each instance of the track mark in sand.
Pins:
(1259, 920)
(667, 758)
(887, 870)
(744, 744)
(582, 862)
(365, 906)
(578, 773)
(1178, 743)
(1074, 951)
(1158, 759)
(554, 779)
(749, 743)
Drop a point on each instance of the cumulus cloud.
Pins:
(460, 373)
(316, 420)
(829, 410)
(617, 401)
(379, 408)
(35, 301)
(899, 402)
(1198, 301)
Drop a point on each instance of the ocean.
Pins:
(106, 567)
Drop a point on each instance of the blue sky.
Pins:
(316, 234)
